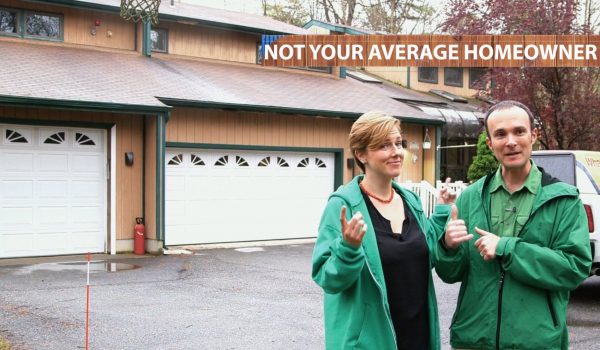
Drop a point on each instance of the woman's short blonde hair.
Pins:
(369, 131)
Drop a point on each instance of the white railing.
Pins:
(429, 194)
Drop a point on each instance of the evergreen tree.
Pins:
(484, 161)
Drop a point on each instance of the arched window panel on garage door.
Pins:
(17, 136)
(176, 160)
(303, 163)
(222, 161)
(53, 137)
(196, 160)
(241, 161)
(320, 163)
(282, 162)
(86, 138)
(265, 162)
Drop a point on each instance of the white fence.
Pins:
(429, 194)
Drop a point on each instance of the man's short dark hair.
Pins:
(508, 104)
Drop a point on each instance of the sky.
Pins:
(255, 7)
(247, 6)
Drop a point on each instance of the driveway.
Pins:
(248, 298)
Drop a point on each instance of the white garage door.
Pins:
(53, 191)
(233, 196)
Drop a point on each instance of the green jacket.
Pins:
(519, 300)
(357, 314)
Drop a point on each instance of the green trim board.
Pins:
(334, 28)
(255, 108)
(46, 122)
(36, 102)
(146, 38)
(160, 176)
(338, 172)
(283, 110)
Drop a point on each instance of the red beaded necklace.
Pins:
(384, 201)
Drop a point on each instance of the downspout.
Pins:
(161, 121)
(408, 77)
(146, 38)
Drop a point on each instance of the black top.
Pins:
(405, 262)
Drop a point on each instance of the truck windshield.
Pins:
(561, 166)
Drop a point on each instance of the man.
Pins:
(518, 242)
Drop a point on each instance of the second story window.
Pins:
(31, 24)
(453, 76)
(477, 78)
(8, 21)
(43, 25)
(428, 75)
(160, 40)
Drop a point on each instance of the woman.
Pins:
(373, 255)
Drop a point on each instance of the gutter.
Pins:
(284, 110)
(82, 105)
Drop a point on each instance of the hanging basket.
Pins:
(144, 10)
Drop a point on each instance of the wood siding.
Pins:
(205, 42)
(270, 129)
(129, 139)
(398, 75)
(113, 32)
(429, 156)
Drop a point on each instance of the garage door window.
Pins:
(197, 160)
(320, 163)
(282, 162)
(222, 161)
(265, 161)
(13, 136)
(241, 161)
(84, 140)
(303, 163)
(55, 139)
(178, 159)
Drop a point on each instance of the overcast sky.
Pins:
(254, 6)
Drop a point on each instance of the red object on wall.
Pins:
(139, 237)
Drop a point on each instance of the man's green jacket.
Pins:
(519, 300)
(356, 313)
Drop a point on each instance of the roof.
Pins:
(198, 14)
(80, 74)
(341, 28)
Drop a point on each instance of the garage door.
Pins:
(53, 191)
(233, 196)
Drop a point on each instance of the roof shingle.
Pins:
(81, 74)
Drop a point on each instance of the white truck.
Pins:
(580, 169)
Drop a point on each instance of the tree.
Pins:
(294, 12)
(391, 16)
(565, 101)
(484, 161)
(339, 11)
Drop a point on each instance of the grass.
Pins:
(4, 344)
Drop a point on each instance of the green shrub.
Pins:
(484, 161)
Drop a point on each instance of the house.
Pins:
(447, 91)
(104, 121)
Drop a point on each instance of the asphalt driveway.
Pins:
(249, 298)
